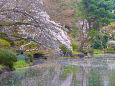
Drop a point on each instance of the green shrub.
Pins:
(100, 42)
(64, 6)
(74, 31)
(84, 52)
(20, 64)
(29, 57)
(4, 43)
(5, 37)
(74, 46)
(7, 57)
(21, 42)
(65, 49)
(90, 50)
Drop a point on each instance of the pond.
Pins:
(64, 72)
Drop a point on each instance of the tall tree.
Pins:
(96, 13)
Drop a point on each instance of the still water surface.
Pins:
(68, 72)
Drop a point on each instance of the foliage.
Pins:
(20, 64)
(109, 50)
(4, 43)
(98, 51)
(32, 45)
(94, 13)
(64, 6)
(84, 52)
(74, 46)
(1, 66)
(104, 41)
(73, 32)
(2, 35)
(91, 50)
(111, 44)
(97, 11)
(109, 30)
(29, 56)
(20, 42)
(98, 56)
(7, 57)
(65, 49)
(5, 37)
(93, 33)
(94, 38)
(100, 42)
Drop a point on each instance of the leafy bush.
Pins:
(74, 31)
(29, 57)
(7, 57)
(20, 64)
(4, 43)
(5, 37)
(74, 46)
(64, 6)
(84, 52)
(65, 50)
(90, 50)
(19, 43)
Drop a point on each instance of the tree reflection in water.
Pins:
(92, 72)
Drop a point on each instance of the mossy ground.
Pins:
(98, 51)
(20, 64)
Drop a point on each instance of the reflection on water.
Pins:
(90, 72)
